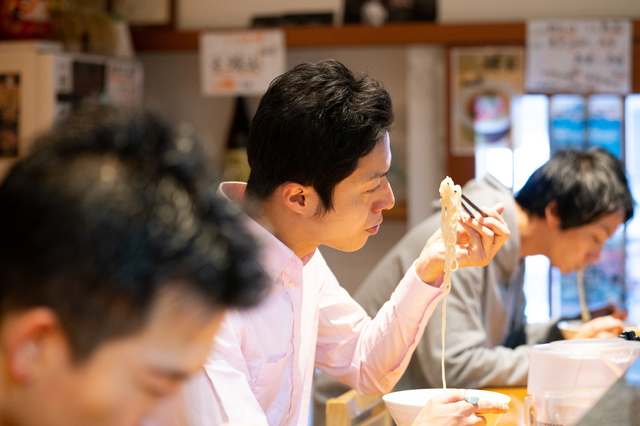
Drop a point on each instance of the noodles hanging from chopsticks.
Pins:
(584, 309)
(450, 205)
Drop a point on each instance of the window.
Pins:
(632, 157)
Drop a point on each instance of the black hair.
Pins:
(109, 209)
(584, 184)
(312, 126)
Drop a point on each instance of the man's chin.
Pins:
(351, 246)
(567, 270)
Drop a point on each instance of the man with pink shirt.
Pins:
(319, 155)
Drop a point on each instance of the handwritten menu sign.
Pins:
(579, 56)
(241, 63)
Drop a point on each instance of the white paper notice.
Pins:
(241, 63)
(125, 81)
(579, 56)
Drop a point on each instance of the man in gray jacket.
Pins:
(566, 211)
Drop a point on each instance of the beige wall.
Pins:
(238, 13)
(520, 10)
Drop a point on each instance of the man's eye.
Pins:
(160, 388)
(372, 190)
(155, 391)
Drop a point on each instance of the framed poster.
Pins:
(9, 113)
(568, 120)
(24, 97)
(483, 82)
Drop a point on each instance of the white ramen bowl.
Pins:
(405, 406)
(570, 328)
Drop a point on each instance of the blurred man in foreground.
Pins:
(117, 264)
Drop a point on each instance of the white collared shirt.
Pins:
(261, 367)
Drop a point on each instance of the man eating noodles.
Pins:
(319, 154)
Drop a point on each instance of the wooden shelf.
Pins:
(159, 39)
(407, 33)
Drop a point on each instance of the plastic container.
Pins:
(566, 378)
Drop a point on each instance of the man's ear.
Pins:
(551, 215)
(34, 340)
(300, 199)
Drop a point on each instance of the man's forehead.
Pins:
(375, 175)
(376, 164)
(609, 229)
(610, 222)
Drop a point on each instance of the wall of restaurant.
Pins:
(414, 76)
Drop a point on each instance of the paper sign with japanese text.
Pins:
(241, 63)
(124, 82)
(579, 56)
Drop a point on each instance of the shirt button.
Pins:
(273, 275)
(420, 302)
(292, 284)
(296, 340)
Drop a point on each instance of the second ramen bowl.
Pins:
(405, 406)
(570, 328)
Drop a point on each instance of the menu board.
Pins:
(241, 63)
(579, 56)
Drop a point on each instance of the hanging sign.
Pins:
(579, 56)
(124, 82)
(241, 63)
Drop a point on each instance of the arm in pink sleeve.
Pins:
(370, 355)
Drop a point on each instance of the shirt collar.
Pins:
(274, 254)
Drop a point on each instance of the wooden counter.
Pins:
(515, 416)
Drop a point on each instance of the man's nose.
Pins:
(387, 200)
(390, 199)
(594, 255)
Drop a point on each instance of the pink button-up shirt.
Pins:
(261, 367)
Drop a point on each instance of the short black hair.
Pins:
(108, 210)
(584, 184)
(312, 126)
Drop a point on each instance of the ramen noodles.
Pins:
(586, 315)
(450, 204)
